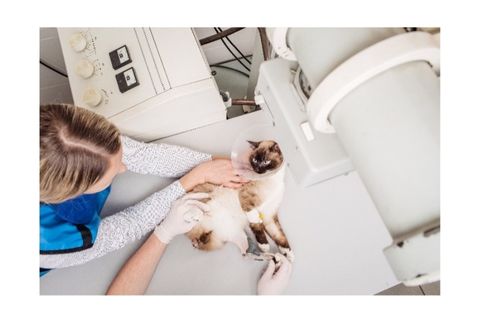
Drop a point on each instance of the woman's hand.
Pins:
(185, 213)
(217, 171)
(274, 283)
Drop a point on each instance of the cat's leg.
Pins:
(248, 197)
(274, 230)
(249, 201)
(259, 234)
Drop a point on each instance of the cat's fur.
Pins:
(227, 217)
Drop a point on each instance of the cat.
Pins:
(255, 205)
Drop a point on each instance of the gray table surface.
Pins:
(333, 227)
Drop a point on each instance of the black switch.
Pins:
(120, 57)
(127, 80)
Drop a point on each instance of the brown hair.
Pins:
(75, 145)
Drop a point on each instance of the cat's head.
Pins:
(265, 156)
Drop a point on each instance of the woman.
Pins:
(80, 154)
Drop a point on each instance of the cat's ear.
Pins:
(253, 144)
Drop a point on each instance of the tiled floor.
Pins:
(400, 289)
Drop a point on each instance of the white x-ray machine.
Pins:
(367, 98)
(340, 99)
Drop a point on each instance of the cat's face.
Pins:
(265, 156)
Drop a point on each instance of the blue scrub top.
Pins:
(72, 225)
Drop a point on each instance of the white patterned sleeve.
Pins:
(121, 228)
(164, 160)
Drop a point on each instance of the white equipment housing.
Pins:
(150, 82)
(368, 99)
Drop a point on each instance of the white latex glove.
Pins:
(183, 216)
(274, 283)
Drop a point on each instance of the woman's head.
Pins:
(80, 152)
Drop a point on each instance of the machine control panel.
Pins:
(127, 80)
(149, 82)
(107, 67)
(120, 57)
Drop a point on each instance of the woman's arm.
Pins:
(136, 274)
(175, 161)
(134, 222)
(121, 228)
(160, 159)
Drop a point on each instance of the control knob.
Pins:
(84, 68)
(92, 96)
(78, 42)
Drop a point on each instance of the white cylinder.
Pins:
(320, 50)
(390, 128)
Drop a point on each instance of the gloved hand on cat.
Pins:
(273, 282)
(183, 216)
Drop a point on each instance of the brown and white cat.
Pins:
(255, 205)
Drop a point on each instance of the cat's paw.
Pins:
(288, 253)
(264, 247)
(195, 243)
